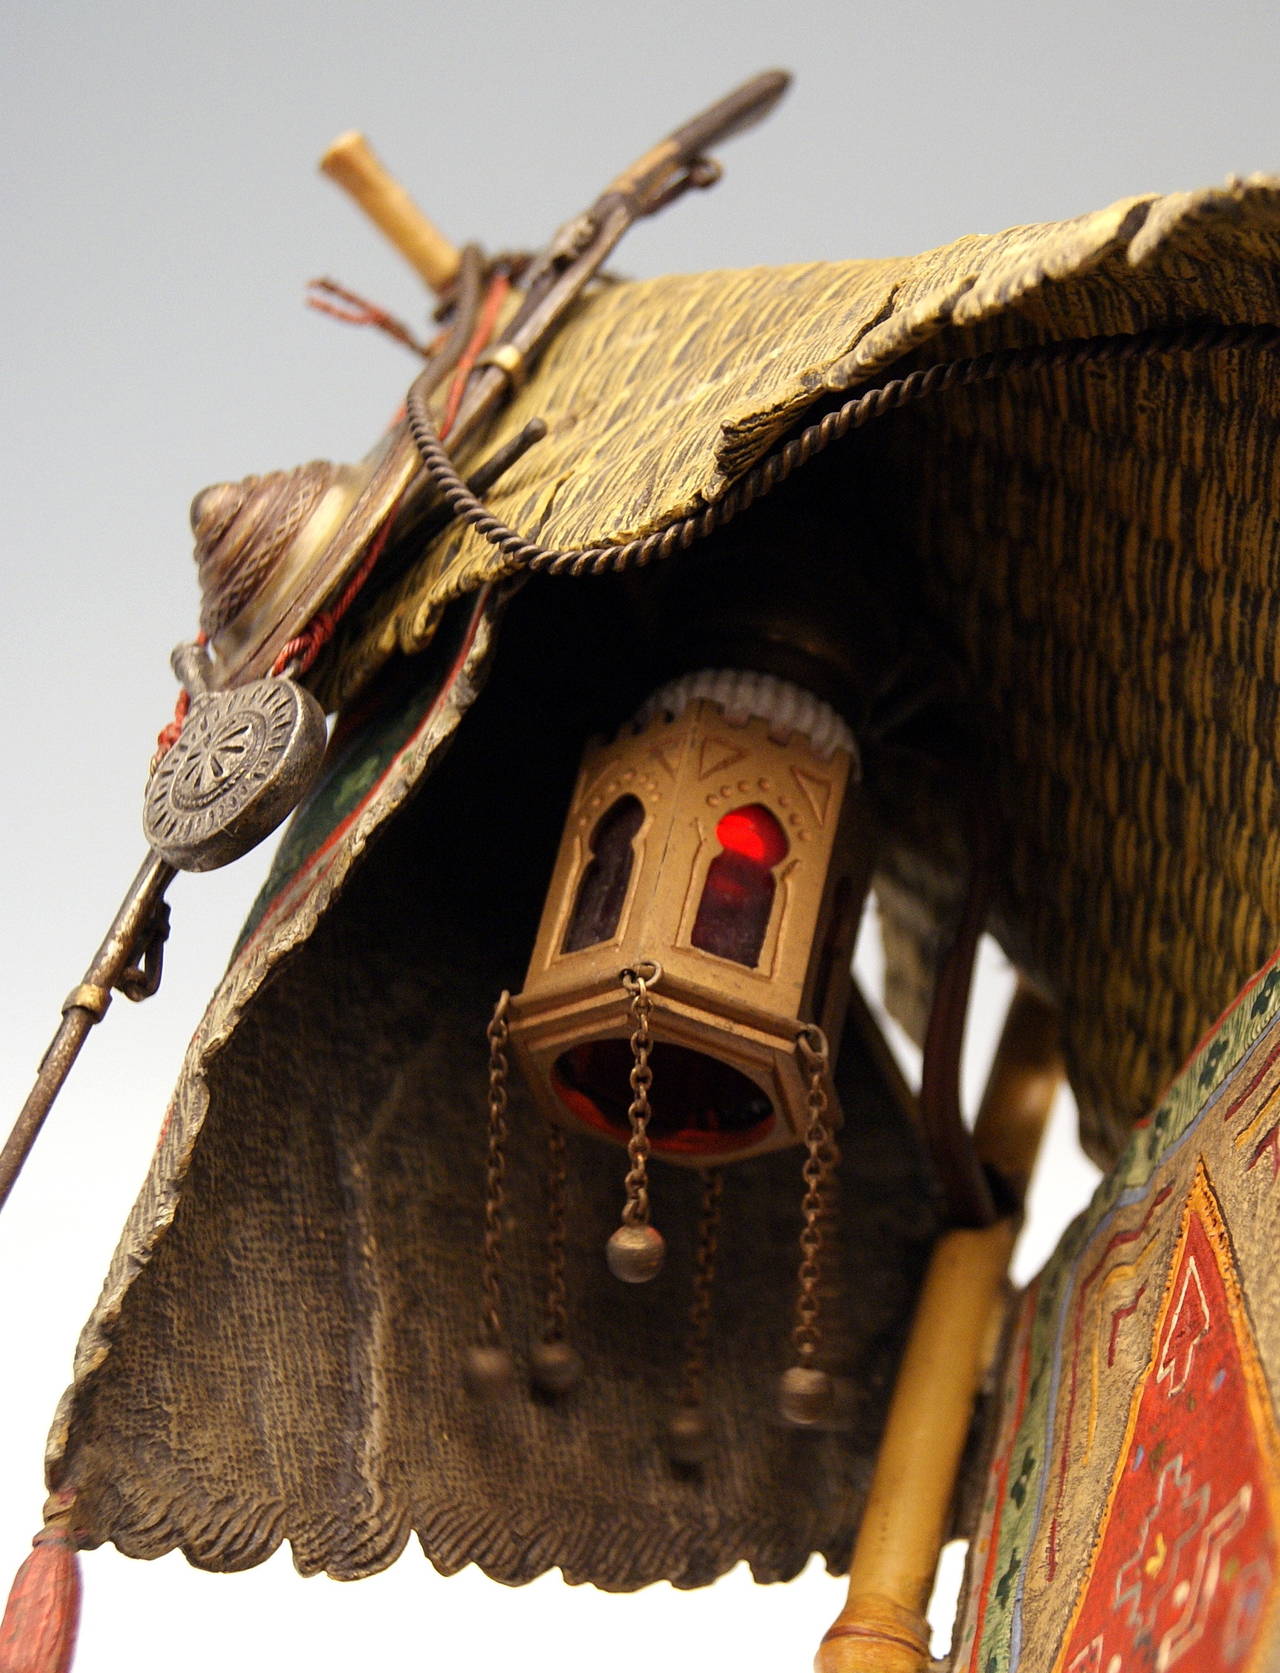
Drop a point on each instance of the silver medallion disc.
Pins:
(241, 764)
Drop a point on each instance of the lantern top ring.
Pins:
(645, 972)
(811, 1043)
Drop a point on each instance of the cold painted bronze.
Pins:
(636, 1253)
(704, 755)
(374, 1074)
(806, 1390)
(555, 1366)
(488, 1369)
(241, 764)
(351, 163)
(254, 538)
(882, 1627)
(391, 479)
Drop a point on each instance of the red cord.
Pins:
(498, 289)
(353, 309)
(308, 644)
(169, 735)
(306, 647)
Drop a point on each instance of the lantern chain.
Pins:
(693, 1380)
(495, 1194)
(557, 1320)
(822, 1157)
(637, 982)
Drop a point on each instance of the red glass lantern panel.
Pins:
(737, 897)
(603, 889)
(704, 1107)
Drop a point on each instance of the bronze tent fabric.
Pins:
(1095, 550)
(278, 1351)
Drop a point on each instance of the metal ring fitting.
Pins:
(811, 1043)
(88, 996)
(509, 360)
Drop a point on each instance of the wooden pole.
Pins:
(352, 164)
(882, 1627)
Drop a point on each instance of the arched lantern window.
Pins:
(737, 897)
(603, 888)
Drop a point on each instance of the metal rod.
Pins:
(85, 1005)
(1026, 1072)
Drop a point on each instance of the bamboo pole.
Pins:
(350, 162)
(882, 1627)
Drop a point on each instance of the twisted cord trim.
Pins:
(520, 552)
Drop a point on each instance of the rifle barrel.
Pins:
(737, 111)
(645, 182)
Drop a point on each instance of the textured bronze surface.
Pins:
(242, 531)
(555, 1367)
(551, 286)
(88, 996)
(636, 1253)
(687, 771)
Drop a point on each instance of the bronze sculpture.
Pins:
(1139, 279)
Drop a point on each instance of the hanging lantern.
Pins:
(717, 846)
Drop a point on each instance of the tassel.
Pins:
(38, 1633)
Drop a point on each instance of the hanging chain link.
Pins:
(821, 1160)
(693, 1376)
(557, 1320)
(637, 982)
(495, 1194)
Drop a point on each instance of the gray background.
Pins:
(161, 217)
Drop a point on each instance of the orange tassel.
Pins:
(38, 1633)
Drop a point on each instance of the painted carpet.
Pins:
(1132, 1514)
